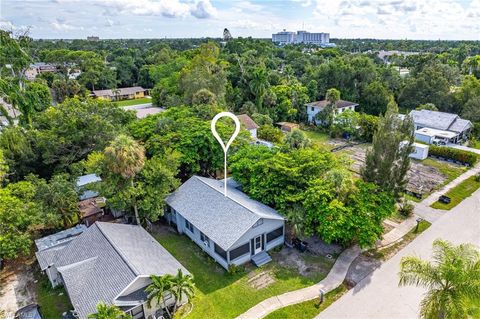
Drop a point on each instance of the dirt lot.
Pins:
(17, 287)
(423, 179)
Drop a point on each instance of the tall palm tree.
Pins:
(258, 85)
(124, 156)
(157, 289)
(452, 280)
(182, 285)
(108, 312)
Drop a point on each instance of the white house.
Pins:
(233, 229)
(108, 262)
(432, 127)
(249, 124)
(313, 108)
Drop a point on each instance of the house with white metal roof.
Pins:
(233, 229)
(111, 263)
(313, 108)
(433, 126)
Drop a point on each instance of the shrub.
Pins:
(234, 269)
(406, 208)
(453, 154)
(270, 133)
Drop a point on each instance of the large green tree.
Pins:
(387, 161)
(105, 311)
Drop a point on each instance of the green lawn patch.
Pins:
(308, 309)
(52, 302)
(223, 295)
(134, 102)
(318, 138)
(459, 193)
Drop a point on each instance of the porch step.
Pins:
(261, 259)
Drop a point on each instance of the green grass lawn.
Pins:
(134, 101)
(459, 193)
(53, 302)
(318, 138)
(222, 295)
(308, 309)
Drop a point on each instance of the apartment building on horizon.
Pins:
(288, 37)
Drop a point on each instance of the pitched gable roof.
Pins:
(440, 120)
(100, 263)
(223, 219)
(247, 122)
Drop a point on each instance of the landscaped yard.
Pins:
(143, 100)
(223, 295)
(318, 138)
(308, 309)
(53, 302)
(459, 193)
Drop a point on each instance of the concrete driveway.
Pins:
(378, 295)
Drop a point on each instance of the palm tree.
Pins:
(124, 156)
(108, 312)
(452, 280)
(258, 85)
(182, 285)
(157, 289)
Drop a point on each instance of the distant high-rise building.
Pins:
(288, 37)
(93, 38)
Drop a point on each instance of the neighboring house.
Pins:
(434, 127)
(38, 68)
(232, 229)
(249, 124)
(91, 206)
(313, 108)
(111, 263)
(11, 112)
(287, 126)
(92, 210)
(73, 74)
(129, 93)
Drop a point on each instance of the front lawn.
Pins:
(142, 100)
(222, 295)
(308, 309)
(52, 302)
(318, 138)
(459, 193)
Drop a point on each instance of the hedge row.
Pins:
(453, 154)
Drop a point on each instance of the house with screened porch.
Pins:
(232, 229)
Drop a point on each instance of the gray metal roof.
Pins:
(223, 219)
(60, 237)
(440, 120)
(99, 264)
(339, 104)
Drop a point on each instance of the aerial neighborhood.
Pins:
(243, 174)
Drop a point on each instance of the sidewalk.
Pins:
(398, 232)
(334, 278)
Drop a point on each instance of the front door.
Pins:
(257, 244)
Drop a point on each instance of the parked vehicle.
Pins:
(444, 199)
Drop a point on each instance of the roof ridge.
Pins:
(117, 249)
(200, 179)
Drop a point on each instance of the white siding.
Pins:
(423, 138)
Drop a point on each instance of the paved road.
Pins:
(378, 295)
(464, 148)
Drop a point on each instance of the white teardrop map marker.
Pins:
(219, 139)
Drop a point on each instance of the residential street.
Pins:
(378, 295)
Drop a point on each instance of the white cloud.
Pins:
(203, 9)
(61, 25)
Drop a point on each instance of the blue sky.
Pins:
(397, 19)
